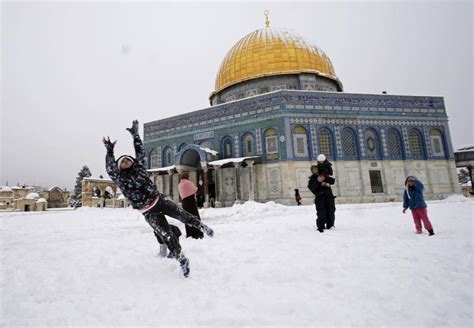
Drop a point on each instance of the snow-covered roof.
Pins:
(97, 179)
(41, 200)
(5, 188)
(162, 169)
(32, 195)
(465, 148)
(231, 160)
(209, 151)
(54, 188)
(120, 197)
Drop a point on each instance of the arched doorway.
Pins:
(194, 158)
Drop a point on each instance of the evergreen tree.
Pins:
(76, 197)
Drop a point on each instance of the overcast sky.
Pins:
(74, 72)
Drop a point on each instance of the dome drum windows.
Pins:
(372, 143)
(300, 142)
(394, 145)
(325, 142)
(278, 87)
(168, 157)
(248, 147)
(227, 147)
(416, 144)
(271, 144)
(436, 138)
(349, 145)
(154, 158)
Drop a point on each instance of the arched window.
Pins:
(416, 144)
(181, 146)
(96, 192)
(153, 158)
(168, 157)
(108, 193)
(372, 143)
(300, 142)
(349, 146)
(325, 142)
(248, 148)
(437, 142)
(394, 144)
(227, 147)
(271, 144)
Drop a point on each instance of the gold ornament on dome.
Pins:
(272, 51)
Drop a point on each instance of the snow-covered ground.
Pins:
(266, 265)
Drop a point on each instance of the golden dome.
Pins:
(272, 51)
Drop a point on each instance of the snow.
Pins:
(32, 195)
(163, 169)
(209, 151)
(231, 160)
(41, 200)
(465, 148)
(266, 266)
(6, 188)
(96, 179)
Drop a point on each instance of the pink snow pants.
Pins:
(421, 214)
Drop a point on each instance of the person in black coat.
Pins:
(320, 186)
(131, 177)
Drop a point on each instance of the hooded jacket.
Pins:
(134, 182)
(413, 196)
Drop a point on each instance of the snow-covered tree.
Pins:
(75, 200)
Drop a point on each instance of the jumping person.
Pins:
(131, 177)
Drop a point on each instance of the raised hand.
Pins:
(134, 129)
(109, 144)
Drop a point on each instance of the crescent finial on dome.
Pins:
(267, 22)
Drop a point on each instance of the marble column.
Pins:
(237, 183)
(251, 177)
(205, 181)
(218, 203)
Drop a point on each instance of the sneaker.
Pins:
(184, 264)
(208, 231)
(321, 230)
(431, 232)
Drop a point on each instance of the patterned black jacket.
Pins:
(134, 182)
(321, 192)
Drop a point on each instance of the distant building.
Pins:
(56, 197)
(31, 202)
(464, 158)
(277, 104)
(100, 192)
(27, 199)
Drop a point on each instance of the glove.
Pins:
(109, 145)
(134, 129)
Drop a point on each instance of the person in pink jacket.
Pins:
(187, 191)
